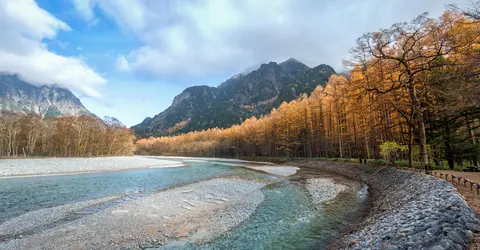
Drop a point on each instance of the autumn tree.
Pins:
(30, 135)
(413, 84)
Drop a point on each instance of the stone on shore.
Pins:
(410, 210)
(323, 190)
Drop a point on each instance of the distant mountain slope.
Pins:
(20, 97)
(240, 97)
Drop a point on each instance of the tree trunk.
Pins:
(448, 146)
(474, 140)
(366, 146)
(410, 145)
(421, 125)
(339, 131)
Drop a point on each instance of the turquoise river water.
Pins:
(287, 219)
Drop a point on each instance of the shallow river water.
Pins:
(287, 219)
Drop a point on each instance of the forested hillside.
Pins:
(30, 135)
(244, 95)
(413, 88)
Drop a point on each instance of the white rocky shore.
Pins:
(324, 190)
(52, 166)
(43, 218)
(409, 211)
(193, 212)
(276, 170)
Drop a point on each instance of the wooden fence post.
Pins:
(471, 185)
(453, 178)
(478, 188)
(459, 179)
(465, 183)
(446, 177)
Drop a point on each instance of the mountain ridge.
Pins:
(235, 99)
(20, 97)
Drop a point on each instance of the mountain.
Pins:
(240, 97)
(20, 97)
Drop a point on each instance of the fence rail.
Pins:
(458, 180)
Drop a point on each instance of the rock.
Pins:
(446, 243)
(469, 235)
(189, 203)
(405, 230)
(456, 237)
(437, 248)
(119, 212)
(447, 229)
(473, 227)
(457, 247)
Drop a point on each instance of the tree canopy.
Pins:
(414, 84)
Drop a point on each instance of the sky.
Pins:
(130, 58)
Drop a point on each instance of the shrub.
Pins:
(390, 151)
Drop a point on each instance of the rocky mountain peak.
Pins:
(292, 65)
(239, 97)
(20, 97)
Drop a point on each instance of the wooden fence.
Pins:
(457, 180)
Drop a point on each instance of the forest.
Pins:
(411, 94)
(31, 135)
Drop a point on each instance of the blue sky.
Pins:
(129, 58)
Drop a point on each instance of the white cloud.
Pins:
(62, 45)
(85, 8)
(24, 26)
(122, 64)
(203, 36)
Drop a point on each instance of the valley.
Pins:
(380, 150)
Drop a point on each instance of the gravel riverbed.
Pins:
(41, 219)
(323, 190)
(49, 166)
(275, 170)
(194, 212)
(409, 211)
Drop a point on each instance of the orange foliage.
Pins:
(392, 91)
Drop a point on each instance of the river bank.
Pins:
(206, 204)
(60, 166)
(31, 167)
(198, 211)
(409, 210)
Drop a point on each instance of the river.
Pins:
(286, 219)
